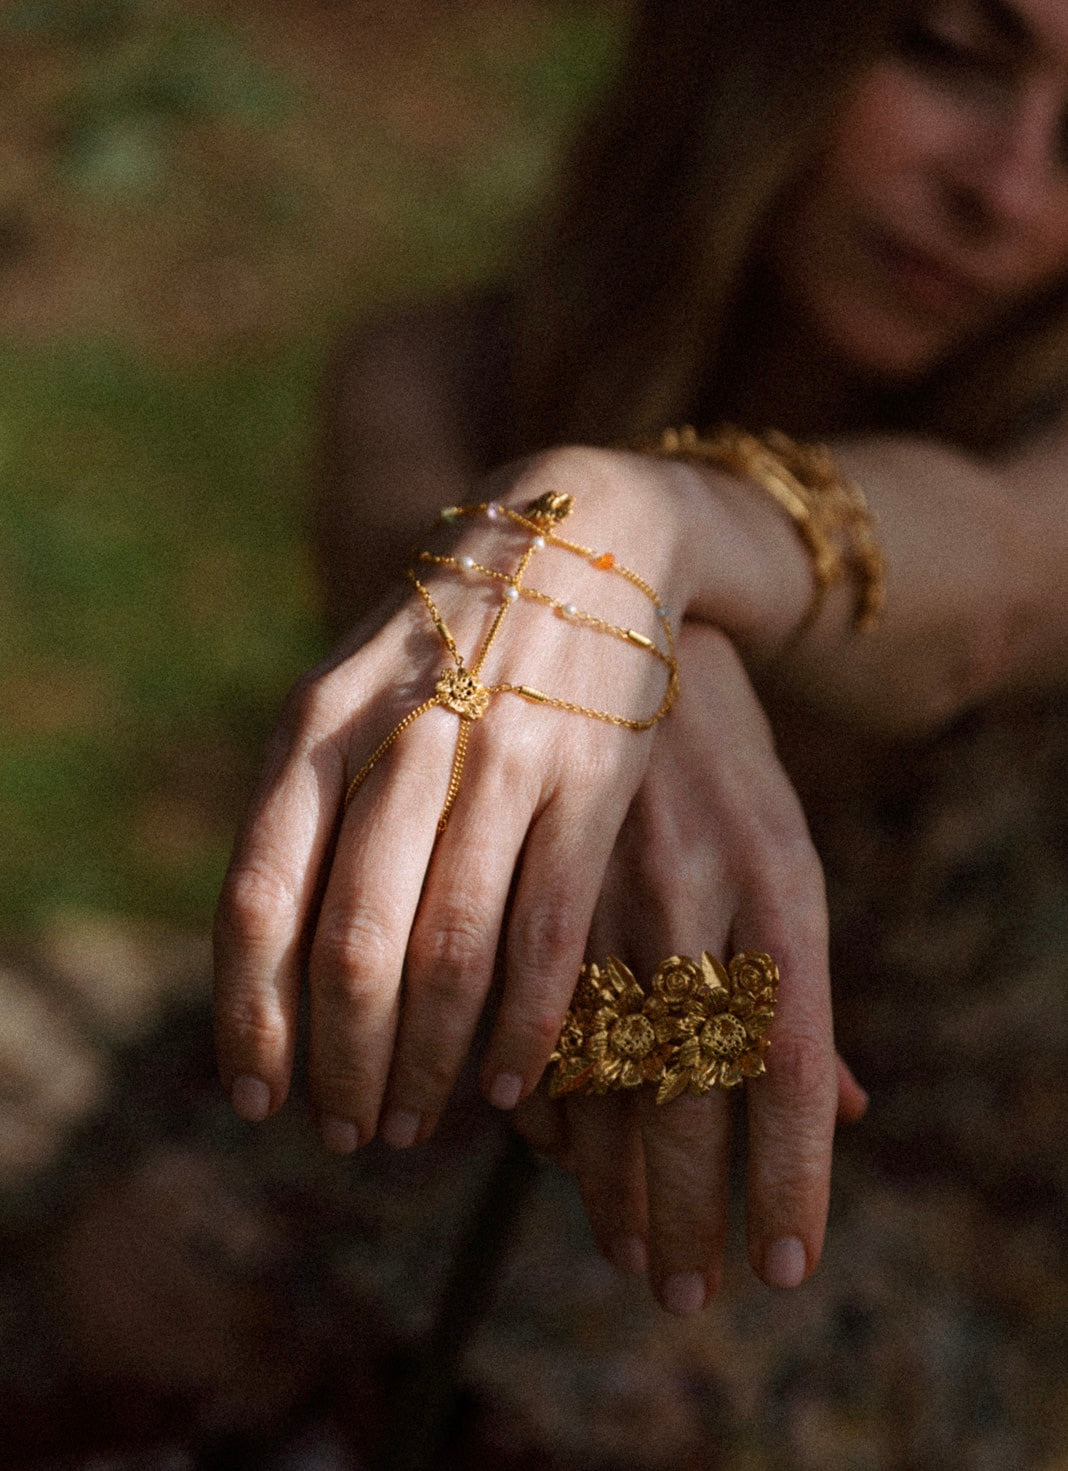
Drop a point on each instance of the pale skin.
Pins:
(569, 837)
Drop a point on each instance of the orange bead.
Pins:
(605, 561)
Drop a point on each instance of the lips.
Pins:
(927, 282)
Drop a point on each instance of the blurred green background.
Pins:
(194, 200)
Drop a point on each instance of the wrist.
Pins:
(626, 507)
(745, 567)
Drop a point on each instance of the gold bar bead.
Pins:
(639, 639)
(529, 693)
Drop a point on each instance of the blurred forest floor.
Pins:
(194, 196)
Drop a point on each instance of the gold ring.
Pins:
(699, 1025)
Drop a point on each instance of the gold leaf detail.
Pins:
(672, 1085)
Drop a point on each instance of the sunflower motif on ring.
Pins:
(699, 1025)
(723, 1032)
(608, 1040)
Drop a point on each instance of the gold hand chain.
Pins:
(460, 690)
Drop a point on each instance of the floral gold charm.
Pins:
(550, 509)
(698, 1026)
(459, 690)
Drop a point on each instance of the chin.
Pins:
(882, 348)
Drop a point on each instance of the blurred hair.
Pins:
(720, 105)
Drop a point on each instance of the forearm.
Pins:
(973, 606)
(974, 552)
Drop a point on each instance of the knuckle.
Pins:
(546, 934)
(685, 1121)
(787, 872)
(781, 842)
(803, 1067)
(444, 954)
(257, 903)
(250, 1027)
(535, 1024)
(571, 463)
(337, 1077)
(352, 955)
(315, 703)
(303, 703)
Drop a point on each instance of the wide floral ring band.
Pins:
(698, 1025)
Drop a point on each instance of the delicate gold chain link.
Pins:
(461, 691)
(535, 595)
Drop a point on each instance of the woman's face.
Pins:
(942, 200)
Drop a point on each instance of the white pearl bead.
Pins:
(569, 610)
(466, 563)
(510, 593)
(493, 511)
(538, 543)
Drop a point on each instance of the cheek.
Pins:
(888, 136)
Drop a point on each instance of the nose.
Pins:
(1003, 174)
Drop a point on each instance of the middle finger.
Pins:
(453, 947)
(687, 1150)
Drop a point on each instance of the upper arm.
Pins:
(403, 432)
(1036, 479)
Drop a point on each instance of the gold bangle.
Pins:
(700, 1025)
(830, 513)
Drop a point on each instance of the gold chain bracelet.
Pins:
(830, 513)
(460, 689)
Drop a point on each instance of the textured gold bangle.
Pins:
(460, 688)
(830, 513)
(698, 1026)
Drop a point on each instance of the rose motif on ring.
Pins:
(699, 1026)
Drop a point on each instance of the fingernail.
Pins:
(250, 1099)
(506, 1090)
(628, 1255)
(684, 1294)
(399, 1127)
(785, 1263)
(338, 1135)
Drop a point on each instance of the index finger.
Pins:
(267, 896)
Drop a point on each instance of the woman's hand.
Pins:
(714, 855)
(359, 900)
